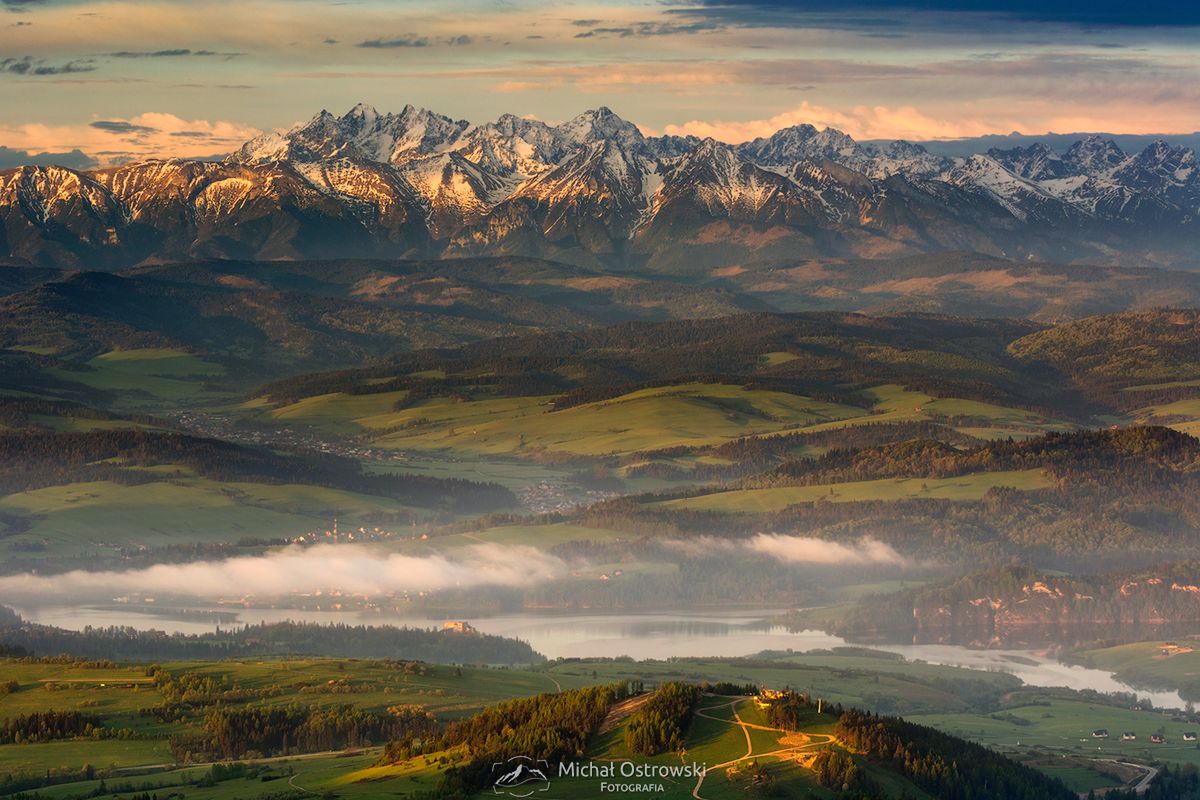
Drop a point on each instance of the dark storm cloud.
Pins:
(1088, 13)
(408, 40)
(119, 126)
(28, 65)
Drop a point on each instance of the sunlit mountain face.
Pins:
(705, 399)
(595, 191)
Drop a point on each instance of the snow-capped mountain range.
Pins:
(595, 190)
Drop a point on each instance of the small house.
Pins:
(1157, 738)
(1189, 736)
(1128, 736)
(1100, 733)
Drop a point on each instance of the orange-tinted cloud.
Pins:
(149, 135)
(860, 122)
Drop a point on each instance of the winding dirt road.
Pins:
(814, 740)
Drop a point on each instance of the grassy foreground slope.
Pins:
(744, 746)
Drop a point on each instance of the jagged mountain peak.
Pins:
(1161, 151)
(600, 123)
(789, 146)
(364, 111)
(1036, 162)
(361, 133)
(785, 146)
(419, 181)
(1093, 155)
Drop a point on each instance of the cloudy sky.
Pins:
(196, 77)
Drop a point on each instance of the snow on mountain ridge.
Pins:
(513, 157)
(596, 185)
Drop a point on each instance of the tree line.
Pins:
(266, 639)
(551, 727)
(660, 724)
(945, 766)
(233, 733)
(942, 765)
(47, 726)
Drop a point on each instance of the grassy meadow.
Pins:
(686, 414)
(1050, 729)
(962, 487)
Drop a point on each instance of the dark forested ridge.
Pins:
(276, 317)
(267, 639)
(267, 318)
(1101, 456)
(1103, 499)
(830, 356)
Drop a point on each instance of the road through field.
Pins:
(814, 740)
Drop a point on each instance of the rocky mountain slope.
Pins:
(596, 191)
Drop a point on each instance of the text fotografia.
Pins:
(630, 776)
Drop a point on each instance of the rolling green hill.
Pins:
(444, 726)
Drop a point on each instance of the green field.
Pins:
(1182, 415)
(1152, 665)
(118, 694)
(77, 518)
(151, 379)
(691, 414)
(893, 403)
(511, 473)
(1064, 726)
(963, 487)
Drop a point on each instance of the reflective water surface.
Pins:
(650, 635)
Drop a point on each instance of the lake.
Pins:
(648, 635)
